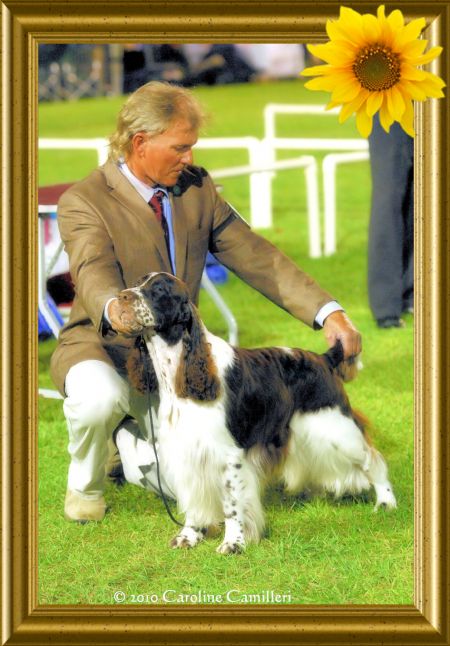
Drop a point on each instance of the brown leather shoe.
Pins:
(81, 510)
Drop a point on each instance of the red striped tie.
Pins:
(157, 206)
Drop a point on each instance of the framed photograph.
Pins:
(272, 616)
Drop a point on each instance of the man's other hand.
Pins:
(337, 326)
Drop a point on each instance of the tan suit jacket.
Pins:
(113, 239)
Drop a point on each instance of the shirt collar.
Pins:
(144, 190)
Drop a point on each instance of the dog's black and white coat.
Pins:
(232, 419)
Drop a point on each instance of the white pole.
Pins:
(329, 164)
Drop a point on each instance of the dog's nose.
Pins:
(127, 296)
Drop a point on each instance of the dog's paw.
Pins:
(188, 537)
(181, 542)
(386, 501)
(228, 547)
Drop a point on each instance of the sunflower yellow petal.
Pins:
(346, 92)
(316, 50)
(395, 20)
(414, 48)
(341, 38)
(321, 83)
(430, 55)
(410, 32)
(363, 122)
(339, 55)
(374, 103)
(386, 35)
(412, 73)
(431, 88)
(317, 70)
(407, 120)
(319, 51)
(346, 112)
(354, 40)
(350, 24)
(332, 54)
(333, 31)
(412, 90)
(349, 108)
(435, 79)
(385, 118)
(398, 103)
(350, 17)
(383, 24)
(371, 28)
(328, 83)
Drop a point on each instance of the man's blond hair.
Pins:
(153, 108)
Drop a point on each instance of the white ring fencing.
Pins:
(260, 180)
(273, 143)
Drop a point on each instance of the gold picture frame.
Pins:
(26, 23)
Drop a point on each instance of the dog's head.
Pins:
(160, 303)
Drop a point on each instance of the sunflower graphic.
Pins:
(372, 65)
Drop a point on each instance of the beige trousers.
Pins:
(97, 400)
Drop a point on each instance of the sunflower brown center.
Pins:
(377, 68)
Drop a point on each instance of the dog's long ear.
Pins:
(197, 373)
(140, 370)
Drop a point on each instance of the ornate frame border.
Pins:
(25, 23)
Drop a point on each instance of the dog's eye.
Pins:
(157, 289)
(142, 280)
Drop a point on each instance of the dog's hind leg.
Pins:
(377, 474)
(244, 517)
(339, 458)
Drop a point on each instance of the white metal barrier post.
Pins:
(329, 164)
(260, 197)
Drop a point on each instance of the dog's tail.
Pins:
(347, 369)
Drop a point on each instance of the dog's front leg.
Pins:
(189, 536)
(233, 508)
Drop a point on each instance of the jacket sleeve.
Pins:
(260, 264)
(95, 271)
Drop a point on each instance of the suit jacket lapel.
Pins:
(130, 199)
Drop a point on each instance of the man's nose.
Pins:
(187, 157)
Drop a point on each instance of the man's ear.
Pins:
(137, 142)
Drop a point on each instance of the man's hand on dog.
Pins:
(337, 326)
(123, 318)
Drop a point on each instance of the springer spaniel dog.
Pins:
(231, 419)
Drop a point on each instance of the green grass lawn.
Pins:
(318, 552)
